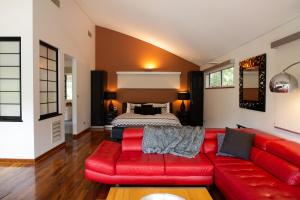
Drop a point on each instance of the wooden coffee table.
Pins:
(136, 193)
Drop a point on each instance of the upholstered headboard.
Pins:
(124, 106)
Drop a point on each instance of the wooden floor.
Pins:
(60, 176)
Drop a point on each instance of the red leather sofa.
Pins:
(273, 171)
(113, 163)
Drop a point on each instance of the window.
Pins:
(10, 79)
(227, 77)
(48, 80)
(220, 79)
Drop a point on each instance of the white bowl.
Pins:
(162, 196)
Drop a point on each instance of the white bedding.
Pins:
(132, 120)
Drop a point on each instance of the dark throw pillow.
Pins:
(157, 110)
(137, 110)
(220, 137)
(147, 110)
(237, 144)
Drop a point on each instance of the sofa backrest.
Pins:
(260, 141)
(287, 150)
(210, 144)
(279, 167)
(132, 139)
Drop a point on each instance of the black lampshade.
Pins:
(110, 95)
(183, 96)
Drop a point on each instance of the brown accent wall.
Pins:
(119, 52)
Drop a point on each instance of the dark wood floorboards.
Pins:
(61, 176)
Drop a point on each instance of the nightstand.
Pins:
(109, 116)
(184, 117)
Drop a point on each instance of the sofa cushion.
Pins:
(138, 163)
(249, 182)
(276, 166)
(181, 166)
(225, 160)
(104, 158)
(237, 144)
(287, 150)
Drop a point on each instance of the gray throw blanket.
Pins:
(184, 141)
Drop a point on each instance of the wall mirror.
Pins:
(253, 83)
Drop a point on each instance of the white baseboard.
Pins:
(108, 127)
(97, 127)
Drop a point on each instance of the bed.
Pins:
(130, 119)
(137, 120)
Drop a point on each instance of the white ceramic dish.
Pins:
(162, 196)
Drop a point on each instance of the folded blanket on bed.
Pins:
(184, 141)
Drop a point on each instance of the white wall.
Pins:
(67, 29)
(222, 105)
(287, 112)
(17, 137)
(83, 85)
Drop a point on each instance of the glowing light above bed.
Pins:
(150, 66)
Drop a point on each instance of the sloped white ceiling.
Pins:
(197, 30)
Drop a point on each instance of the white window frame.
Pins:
(10, 117)
(207, 75)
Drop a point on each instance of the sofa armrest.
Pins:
(129, 133)
(132, 144)
(104, 158)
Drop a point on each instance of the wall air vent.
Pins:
(56, 2)
(56, 131)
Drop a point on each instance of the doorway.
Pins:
(69, 68)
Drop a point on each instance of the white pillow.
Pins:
(130, 107)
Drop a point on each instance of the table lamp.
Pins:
(110, 96)
(183, 96)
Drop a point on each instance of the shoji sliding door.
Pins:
(10, 79)
(48, 81)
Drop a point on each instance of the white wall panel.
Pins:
(17, 138)
(67, 29)
(149, 80)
